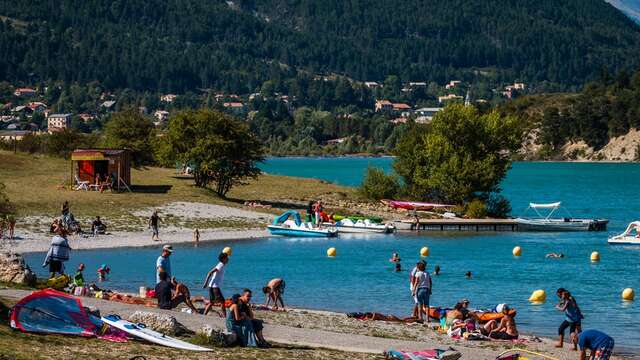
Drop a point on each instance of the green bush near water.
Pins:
(377, 185)
(476, 209)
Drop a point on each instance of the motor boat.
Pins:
(283, 225)
(363, 226)
(626, 238)
(548, 223)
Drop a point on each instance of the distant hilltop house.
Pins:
(168, 98)
(510, 90)
(426, 114)
(58, 122)
(161, 116)
(237, 108)
(37, 107)
(411, 86)
(388, 106)
(24, 92)
(449, 97)
(337, 141)
(108, 105)
(452, 84)
(13, 135)
(372, 84)
(86, 117)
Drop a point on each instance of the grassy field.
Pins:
(18, 345)
(35, 186)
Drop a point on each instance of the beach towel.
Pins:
(430, 354)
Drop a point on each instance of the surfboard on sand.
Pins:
(139, 330)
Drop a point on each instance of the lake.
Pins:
(360, 278)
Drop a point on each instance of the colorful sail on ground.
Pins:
(53, 312)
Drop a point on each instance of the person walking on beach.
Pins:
(600, 345)
(163, 263)
(214, 280)
(196, 238)
(58, 253)
(153, 225)
(274, 291)
(11, 225)
(422, 290)
(572, 318)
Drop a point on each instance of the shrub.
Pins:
(378, 185)
(476, 209)
(498, 206)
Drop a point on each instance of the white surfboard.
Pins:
(142, 332)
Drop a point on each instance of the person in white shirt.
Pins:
(214, 281)
(412, 274)
(422, 290)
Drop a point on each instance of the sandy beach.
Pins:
(179, 219)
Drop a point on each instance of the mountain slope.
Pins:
(181, 45)
(630, 7)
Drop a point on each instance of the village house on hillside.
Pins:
(161, 116)
(37, 107)
(57, 122)
(86, 117)
(452, 84)
(168, 98)
(372, 84)
(449, 97)
(24, 92)
(426, 114)
(236, 108)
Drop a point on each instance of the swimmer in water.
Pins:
(398, 267)
(395, 258)
(468, 274)
(555, 255)
(436, 270)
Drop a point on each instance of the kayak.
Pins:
(414, 205)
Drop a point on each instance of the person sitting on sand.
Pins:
(98, 227)
(244, 307)
(572, 318)
(554, 255)
(171, 293)
(600, 345)
(238, 324)
(506, 329)
(273, 292)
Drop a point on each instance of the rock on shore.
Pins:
(13, 269)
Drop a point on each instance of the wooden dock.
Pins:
(458, 225)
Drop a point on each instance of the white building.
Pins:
(426, 114)
(58, 122)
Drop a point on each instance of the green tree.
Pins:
(5, 205)
(131, 130)
(221, 149)
(463, 155)
(377, 185)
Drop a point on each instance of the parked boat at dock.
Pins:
(282, 225)
(626, 238)
(362, 226)
(548, 223)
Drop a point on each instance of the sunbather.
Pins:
(98, 227)
(506, 329)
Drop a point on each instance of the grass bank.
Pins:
(34, 186)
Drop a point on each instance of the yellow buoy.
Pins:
(227, 251)
(424, 252)
(628, 294)
(538, 297)
(331, 252)
(595, 256)
(517, 251)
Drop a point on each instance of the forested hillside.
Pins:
(180, 45)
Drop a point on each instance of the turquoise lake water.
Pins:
(360, 277)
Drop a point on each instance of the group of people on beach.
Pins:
(238, 312)
(72, 226)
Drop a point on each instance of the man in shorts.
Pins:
(153, 225)
(214, 282)
(599, 344)
(274, 291)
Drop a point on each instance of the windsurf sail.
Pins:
(53, 312)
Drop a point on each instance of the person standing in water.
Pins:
(196, 238)
(214, 281)
(153, 225)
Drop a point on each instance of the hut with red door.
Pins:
(87, 164)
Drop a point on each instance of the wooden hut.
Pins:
(86, 164)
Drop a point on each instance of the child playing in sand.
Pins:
(103, 270)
